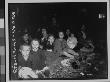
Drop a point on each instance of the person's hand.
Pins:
(41, 47)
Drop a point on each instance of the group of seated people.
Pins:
(35, 57)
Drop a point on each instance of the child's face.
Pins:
(35, 44)
(61, 35)
(51, 39)
(25, 50)
(70, 44)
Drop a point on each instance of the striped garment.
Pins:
(2, 51)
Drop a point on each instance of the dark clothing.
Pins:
(67, 36)
(60, 45)
(38, 59)
(21, 41)
(24, 63)
(49, 46)
(43, 43)
(50, 57)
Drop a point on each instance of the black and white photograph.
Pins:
(58, 41)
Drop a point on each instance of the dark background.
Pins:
(72, 15)
(68, 15)
(2, 7)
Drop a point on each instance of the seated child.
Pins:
(39, 59)
(63, 49)
(25, 63)
(50, 43)
(69, 52)
(65, 61)
(60, 44)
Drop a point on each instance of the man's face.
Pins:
(61, 35)
(35, 44)
(25, 50)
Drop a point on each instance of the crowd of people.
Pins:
(38, 58)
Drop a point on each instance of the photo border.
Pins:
(51, 1)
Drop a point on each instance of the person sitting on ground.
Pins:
(25, 63)
(60, 43)
(75, 42)
(67, 61)
(72, 43)
(50, 43)
(67, 53)
(39, 60)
